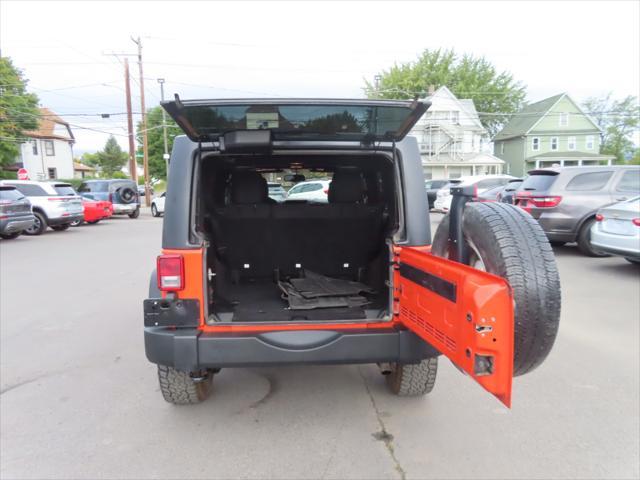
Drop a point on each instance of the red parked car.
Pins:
(94, 211)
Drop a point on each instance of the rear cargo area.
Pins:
(298, 261)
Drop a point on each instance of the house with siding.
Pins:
(452, 140)
(48, 152)
(553, 131)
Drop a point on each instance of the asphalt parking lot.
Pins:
(79, 399)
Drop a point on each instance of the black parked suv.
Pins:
(123, 194)
(15, 213)
(246, 281)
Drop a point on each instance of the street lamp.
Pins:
(164, 128)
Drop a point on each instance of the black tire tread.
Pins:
(179, 388)
(412, 380)
(524, 257)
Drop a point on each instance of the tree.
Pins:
(157, 165)
(89, 159)
(18, 111)
(466, 76)
(112, 158)
(618, 121)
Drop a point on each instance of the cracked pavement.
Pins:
(80, 400)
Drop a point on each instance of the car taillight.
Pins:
(326, 191)
(58, 199)
(170, 273)
(636, 222)
(545, 202)
(599, 218)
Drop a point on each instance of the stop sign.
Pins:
(23, 174)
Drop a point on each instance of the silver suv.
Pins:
(55, 204)
(565, 200)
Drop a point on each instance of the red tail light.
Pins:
(545, 202)
(636, 222)
(326, 191)
(599, 218)
(170, 273)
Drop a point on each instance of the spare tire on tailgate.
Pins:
(127, 194)
(506, 241)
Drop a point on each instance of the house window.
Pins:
(48, 148)
(571, 143)
(564, 119)
(34, 147)
(455, 117)
(51, 173)
(535, 144)
(501, 148)
(554, 143)
(590, 142)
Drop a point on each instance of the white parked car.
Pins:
(55, 204)
(157, 205)
(312, 191)
(481, 182)
(617, 230)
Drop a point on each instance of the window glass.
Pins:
(34, 147)
(554, 143)
(10, 194)
(94, 187)
(589, 181)
(535, 144)
(538, 182)
(312, 187)
(296, 189)
(64, 189)
(30, 190)
(630, 182)
(48, 147)
(589, 142)
(51, 173)
(571, 143)
(564, 119)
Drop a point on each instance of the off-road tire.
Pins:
(10, 236)
(413, 380)
(179, 388)
(512, 245)
(584, 240)
(154, 210)
(39, 227)
(61, 228)
(135, 213)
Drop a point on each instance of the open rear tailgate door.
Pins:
(298, 119)
(465, 313)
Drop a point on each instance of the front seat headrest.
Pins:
(347, 186)
(248, 188)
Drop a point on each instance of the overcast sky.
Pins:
(304, 49)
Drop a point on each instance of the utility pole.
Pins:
(145, 144)
(133, 170)
(164, 128)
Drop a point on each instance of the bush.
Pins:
(120, 175)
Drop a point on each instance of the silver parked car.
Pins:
(617, 230)
(565, 200)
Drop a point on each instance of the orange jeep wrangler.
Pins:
(347, 278)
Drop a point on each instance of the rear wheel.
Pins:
(61, 228)
(509, 243)
(135, 213)
(10, 236)
(412, 380)
(180, 388)
(154, 210)
(584, 240)
(39, 225)
(77, 223)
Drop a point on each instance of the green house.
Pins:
(551, 132)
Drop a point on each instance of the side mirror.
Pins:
(294, 178)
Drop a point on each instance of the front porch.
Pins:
(568, 159)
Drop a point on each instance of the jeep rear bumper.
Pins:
(190, 349)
